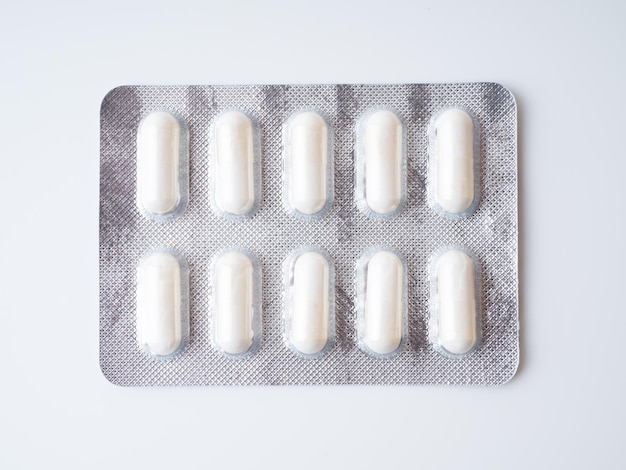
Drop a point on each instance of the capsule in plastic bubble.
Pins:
(234, 180)
(452, 185)
(383, 292)
(309, 303)
(161, 155)
(162, 310)
(308, 164)
(237, 309)
(380, 179)
(456, 312)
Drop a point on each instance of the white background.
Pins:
(566, 64)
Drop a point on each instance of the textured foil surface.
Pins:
(344, 233)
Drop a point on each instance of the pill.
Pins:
(310, 306)
(159, 308)
(454, 161)
(234, 303)
(158, 161)
(456, 302)
(382, 159)
(306, 154)
(383, 303)
(234, 157)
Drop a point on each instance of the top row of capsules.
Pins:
(163, 165)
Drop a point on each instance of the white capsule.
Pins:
(233, 302)
(158, 163)
(310, 304)
(383, 303)
(159, 304)
(306, 152)
(453, 161)
(456, 302)
(382, 154)
(234, 163)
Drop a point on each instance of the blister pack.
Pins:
(309, 234)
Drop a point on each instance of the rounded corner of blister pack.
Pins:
(281, 234)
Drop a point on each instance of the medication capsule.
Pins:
(160, 310)
(452, 164)
(382, 159)
(383, 311)
(456, 302)
(307, 163)
(309, 307)
(158, 164)
(234, 180)
(233, 303)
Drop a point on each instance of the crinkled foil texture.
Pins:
(417, 232)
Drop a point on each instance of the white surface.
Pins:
(566, 64)
(234, 154)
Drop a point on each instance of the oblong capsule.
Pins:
(456, 309)
(234, 176)
(381, 161)
(384, 303)
(310, 303)
(160, 308)
(234, 303)
(159, 159)
(452, 162)
(307, 163)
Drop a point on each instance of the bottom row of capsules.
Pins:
(309, 303)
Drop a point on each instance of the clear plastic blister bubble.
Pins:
(382, 317)
(455, 301)
(236, 303)
(308, 165)
(162, 321)
(162, 165)
(454, 163)
(380, 164)
(235, 165)
(309, 298)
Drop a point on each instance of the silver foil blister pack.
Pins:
(421, 245)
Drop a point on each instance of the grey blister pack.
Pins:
(309, 234)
